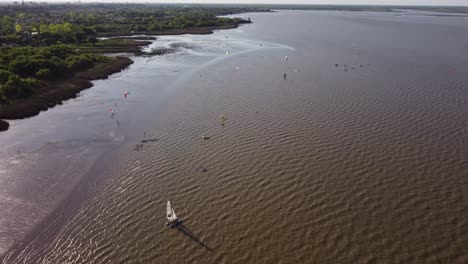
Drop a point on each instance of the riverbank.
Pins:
(54, 92)
(115, 45)
(192, 30)
(310, 145)
(4, 125)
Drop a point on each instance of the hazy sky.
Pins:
(340, 2)
(346, 2)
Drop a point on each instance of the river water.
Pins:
(358, 155)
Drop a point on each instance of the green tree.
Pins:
(18, 28)
(7, 25)
(2, 95)
(81, 18)
(16, 88)
(44, 74)
(90, 18)
(43, 28)
(4, 76)
(71, 14)
(20, 16)
(92, 40)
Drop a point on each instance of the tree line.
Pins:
(22, 69)
(39, 26)
(35, 40)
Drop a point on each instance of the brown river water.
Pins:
(360, 162)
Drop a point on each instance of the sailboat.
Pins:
(171, 216)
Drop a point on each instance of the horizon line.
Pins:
(218, 3)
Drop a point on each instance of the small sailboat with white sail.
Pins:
(171, 216)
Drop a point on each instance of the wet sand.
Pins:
(357, 163)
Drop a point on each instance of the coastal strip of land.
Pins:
(47, 59)
(176, 31)
(54, 92)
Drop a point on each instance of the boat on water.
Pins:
(171, 216)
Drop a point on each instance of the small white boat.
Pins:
(171, 216)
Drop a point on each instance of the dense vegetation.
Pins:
(33, 37)
(49, 52)
(23, 68)
(50, 24)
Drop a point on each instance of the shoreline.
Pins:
(89, 177)
(193, 30)
(125, 45)
(92, 178)
(311, 145)
(4, 125)
(55, 92)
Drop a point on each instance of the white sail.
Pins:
(174, 217)
(170, 212)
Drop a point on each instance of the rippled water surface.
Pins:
(357, 156)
